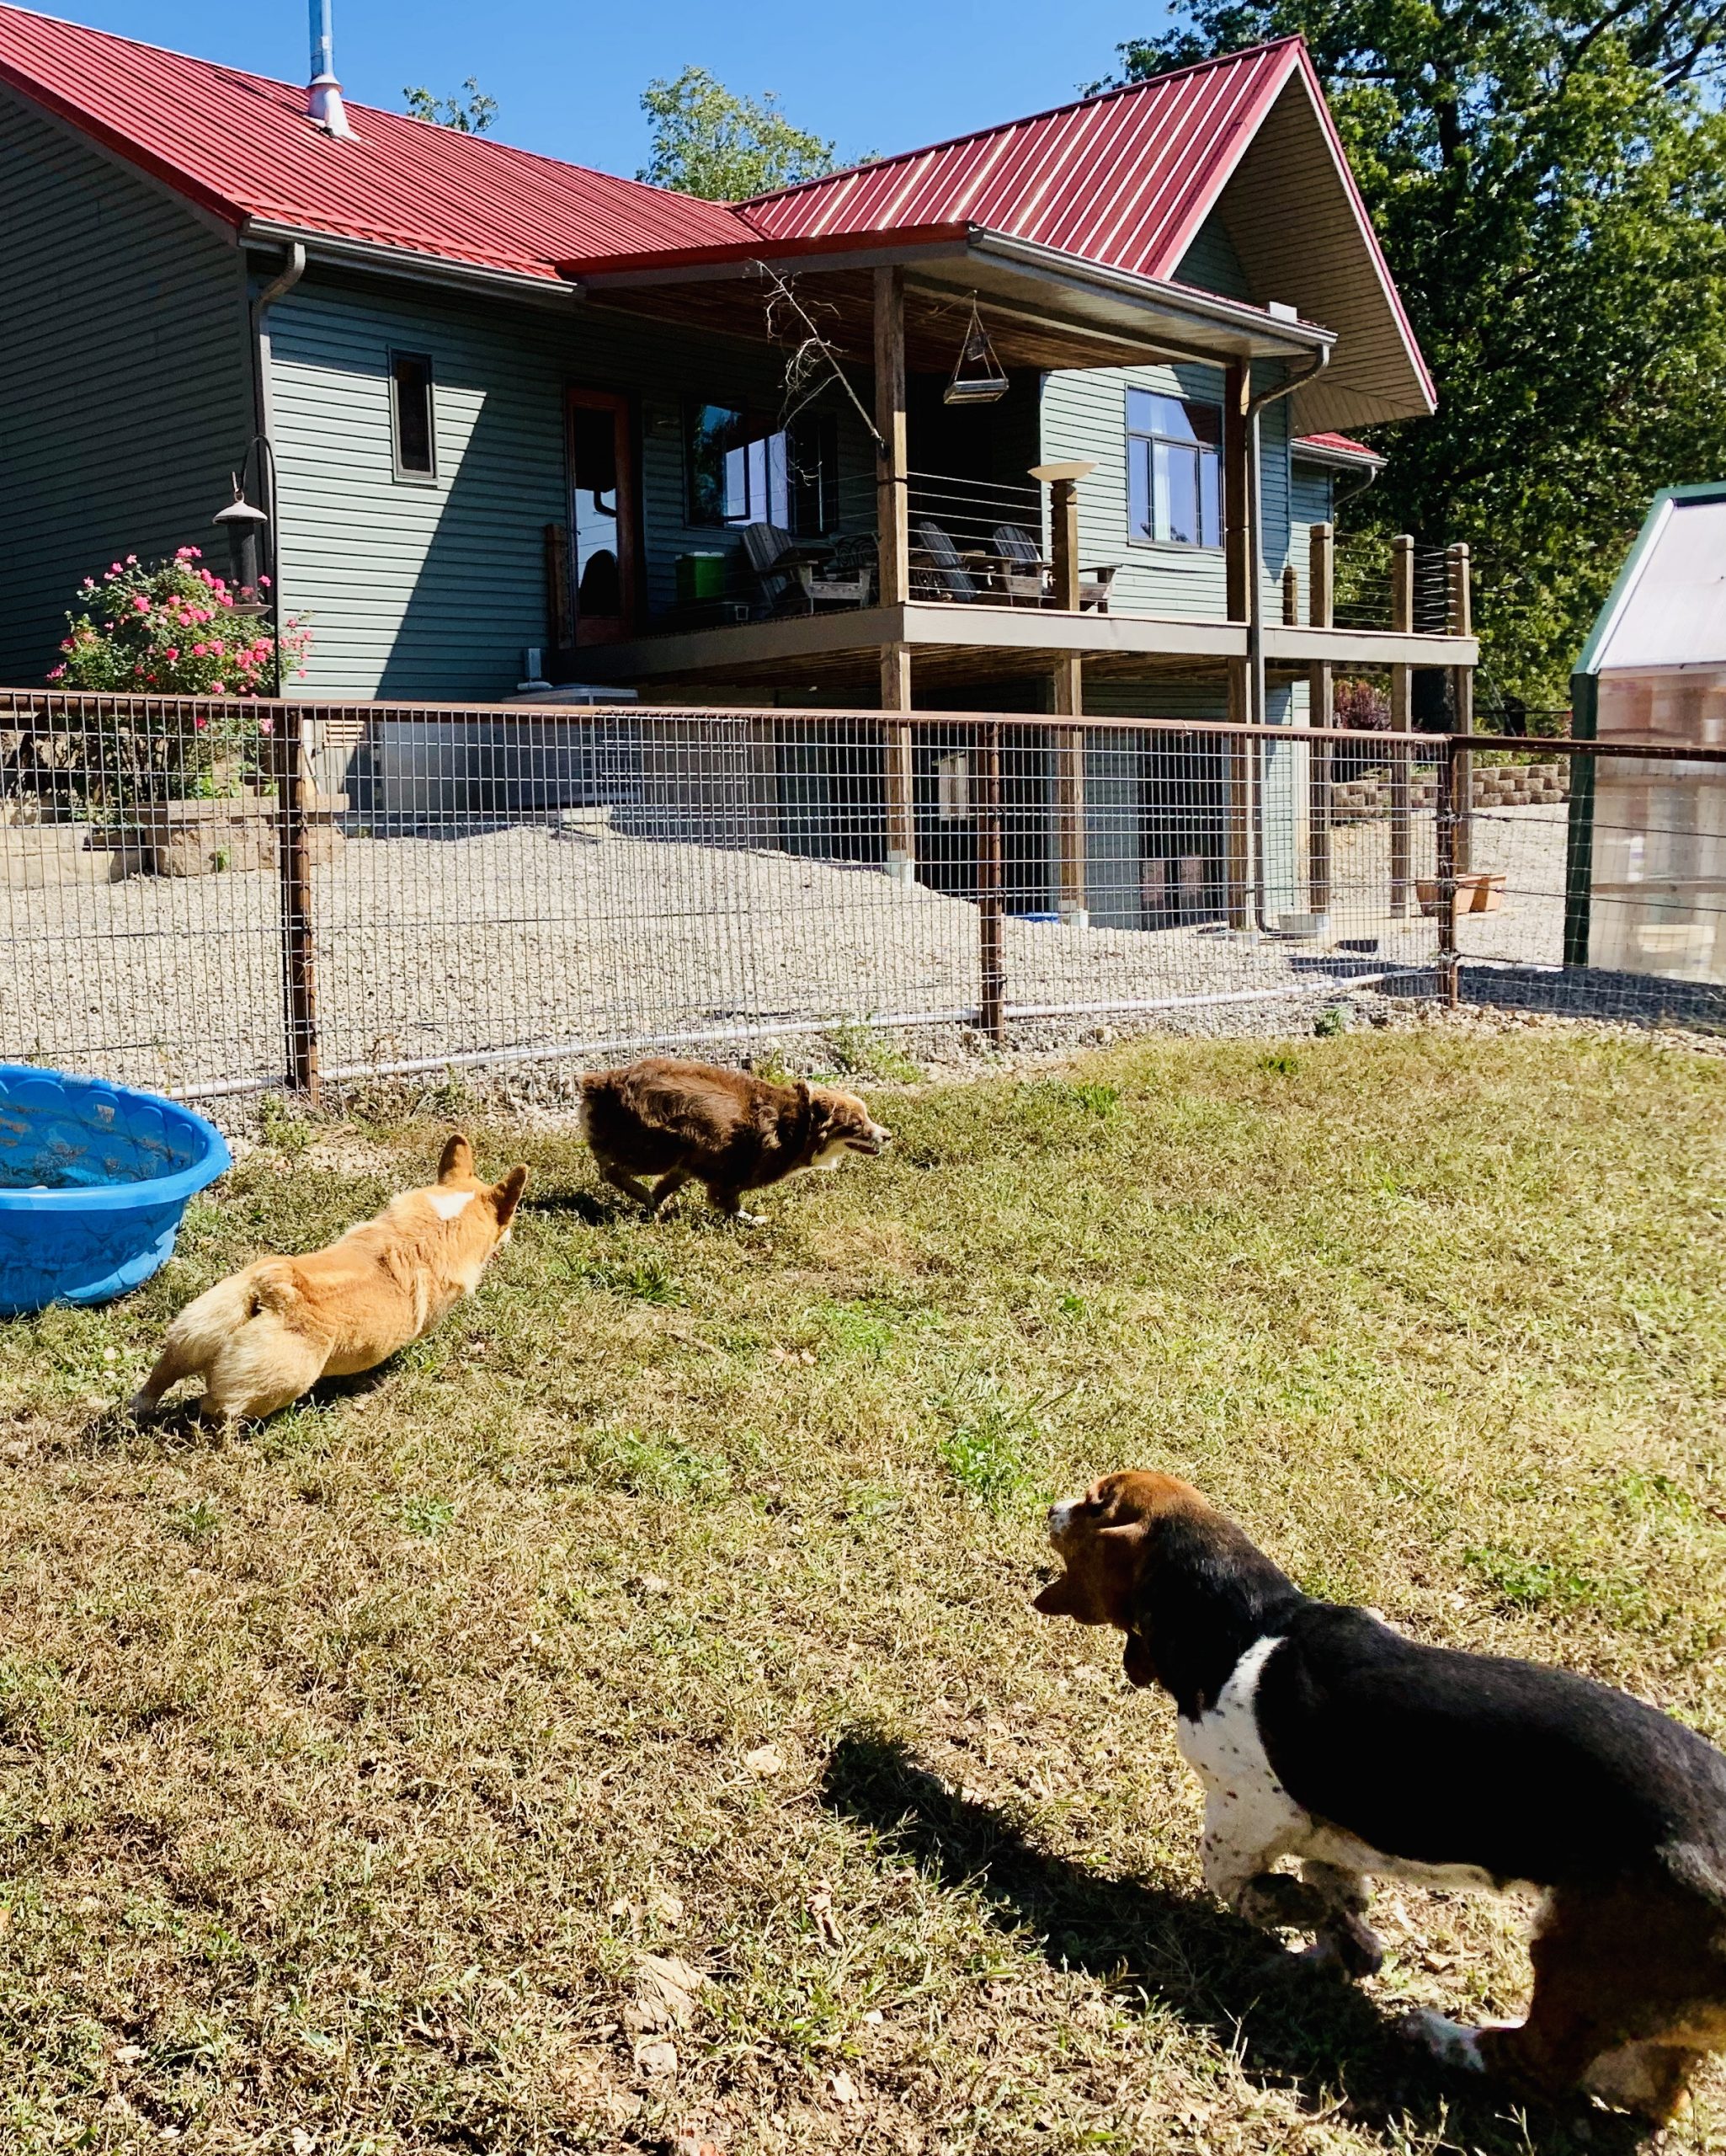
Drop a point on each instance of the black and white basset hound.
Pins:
(1321, 1734)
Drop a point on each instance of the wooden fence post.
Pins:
(1459, 619)
(294, 864)
(1402, 720)
(991, 893)
(1449, 760)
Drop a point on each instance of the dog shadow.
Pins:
(593, 1210)
(179, 1427)
(1292, 2026)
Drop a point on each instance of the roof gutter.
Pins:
(382, 259)
(1292, 338)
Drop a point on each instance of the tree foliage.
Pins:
(1548, 179)
(708, 142)
(475, 114)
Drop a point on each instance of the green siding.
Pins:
(1085, 414)
(1211, 263)
(128, 395)
(421, 591)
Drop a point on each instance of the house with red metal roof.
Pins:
(1047, 418)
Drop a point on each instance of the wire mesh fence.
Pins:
(205, 896)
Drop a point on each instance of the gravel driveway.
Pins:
(540, 935)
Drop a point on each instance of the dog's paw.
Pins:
(1452, 2043)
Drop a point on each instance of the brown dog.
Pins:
(261, 1337)
(1320, 1734)
(695, 1123)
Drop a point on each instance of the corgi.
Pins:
(697, 1123)
(261, 1337)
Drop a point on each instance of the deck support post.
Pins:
(1321, 711)
(1072, 898)
(892, 524)
(1238, 542)
(1402, 717)
(1459, 612)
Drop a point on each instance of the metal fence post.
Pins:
(294, 862)
(1451, 774)
(1579, 846)
(990, 893)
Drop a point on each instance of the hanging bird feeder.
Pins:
(978, 376)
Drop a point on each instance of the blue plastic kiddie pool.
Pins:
(93, 1180)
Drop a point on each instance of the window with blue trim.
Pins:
(1174, 470)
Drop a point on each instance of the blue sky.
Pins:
(875, 74)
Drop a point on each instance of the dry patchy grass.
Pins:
(672, 1599)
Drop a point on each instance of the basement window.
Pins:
(412, 436)
(1173, 457)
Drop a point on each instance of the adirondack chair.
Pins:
(1023, 574)
(795, 577)
(1026, 579)
(938, 570)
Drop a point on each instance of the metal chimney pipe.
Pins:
(323, 98)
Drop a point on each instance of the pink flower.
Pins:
(171, 654)
(264, 725)
(201, 723)
(200, 650)
(216, 646)
(218, 688)
(131, 561)
(113, 569)
(65, 643)
(263, 582)
(58, 674)
(141, 603)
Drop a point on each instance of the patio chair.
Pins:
(1023, 574)
(795, 577)
(939, 569)
(1025, 578)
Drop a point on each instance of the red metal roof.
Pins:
(243, 147)
(1338, 446)
(1125, 179)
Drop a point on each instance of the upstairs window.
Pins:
(1173, 463)
(745, 468)
(411, 416)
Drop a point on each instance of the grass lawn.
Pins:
(671, 1601)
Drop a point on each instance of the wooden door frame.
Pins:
(581, 396)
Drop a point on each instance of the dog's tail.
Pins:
(206, 1325)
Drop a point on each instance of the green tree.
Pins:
(707, 141)
(475, 115)
(1548, 179)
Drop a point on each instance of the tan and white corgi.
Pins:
(261, 1337)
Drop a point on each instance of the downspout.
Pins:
(278, 287)
(1256, 616)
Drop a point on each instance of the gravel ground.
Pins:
(542, 935)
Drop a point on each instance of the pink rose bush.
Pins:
(174, 628)
(130, 635)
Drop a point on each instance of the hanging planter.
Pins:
(978, 376)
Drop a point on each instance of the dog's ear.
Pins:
(456, 1165)
(1062, 1598)
(506, 1195)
